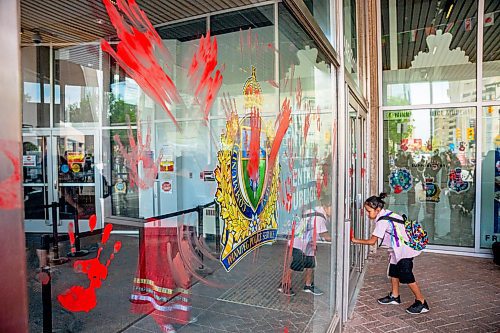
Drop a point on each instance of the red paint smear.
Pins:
(201, 73)
(318, 188)
(283, 122)
(286, 279)
(307, 124)
(139, 151)
(43, 277)
(352, 233)
(106, 233)
(273, 83)
(318, 119)
(78, 298)
(71, 234)
(92, 222)
(286, 330)
(290, 154)
(254, 149)
(135, 53)
(10, 187)
(298, 94)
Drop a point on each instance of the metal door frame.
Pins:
(52, 184)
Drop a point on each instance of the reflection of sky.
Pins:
(126, 90)
(419, 93)
(32, 89)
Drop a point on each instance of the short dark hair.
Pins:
(376, 201)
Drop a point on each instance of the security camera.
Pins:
(36, 38)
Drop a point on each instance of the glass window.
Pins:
(429, 170)
(491, 51)
(351, 38)
(490, 177)
(428, 52)
(320, 10)
(78, 79)
(35, 62)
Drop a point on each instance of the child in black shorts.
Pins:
(311, 226)
(394, 237)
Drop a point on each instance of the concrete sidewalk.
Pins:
(463, 294)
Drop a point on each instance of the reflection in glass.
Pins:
(351, 38)
(490, 177)
(428, 61)
(75, 159)
(78, 76)
(491, 51)
(429, 170)
(36, 86)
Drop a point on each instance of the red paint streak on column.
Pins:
(286, 278)
(139, 151)
(290, 154)
(71, 234)
(273, 83)
(135, 53)
(10, 187)
(254, 149)
(318, 119)
(283, 122)
(298, 94)
(201, 73)
(286, 330)
(307, 124)
(92, 222)
(78, 298)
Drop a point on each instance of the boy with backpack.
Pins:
(308, 229)
(405, 239)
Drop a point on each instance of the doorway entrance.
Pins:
(59, 167)
(357, 190)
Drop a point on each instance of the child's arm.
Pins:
(371, 241)
(326, 236)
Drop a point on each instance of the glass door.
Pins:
(356, 190)
(36, 179)
(58, 167)
(75, 181)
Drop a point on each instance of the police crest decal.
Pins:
(247, 200)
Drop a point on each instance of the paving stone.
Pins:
(463, 294)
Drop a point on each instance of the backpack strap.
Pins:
(392, 219)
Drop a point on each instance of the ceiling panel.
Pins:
(77, 21)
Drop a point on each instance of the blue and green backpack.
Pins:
(417, 236)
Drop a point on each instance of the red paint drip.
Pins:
(201, 73)
(318, 119)
(139, 151)
(71, 234)
(283, 122)
(273, 83)
(286, 279)
(135, 53)
(298, 94)
(78, 298)
(92, 222)
(254, 149)
(10, 187)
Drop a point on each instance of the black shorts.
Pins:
(403, 270)
(301, 261)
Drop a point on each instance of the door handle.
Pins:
(359, 204)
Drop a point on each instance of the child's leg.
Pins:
(309, 276)
(395, 286)
(416, 291)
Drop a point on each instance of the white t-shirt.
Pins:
(393, 237)
(305, 239)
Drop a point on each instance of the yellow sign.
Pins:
(76, 167)
(458, 133)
